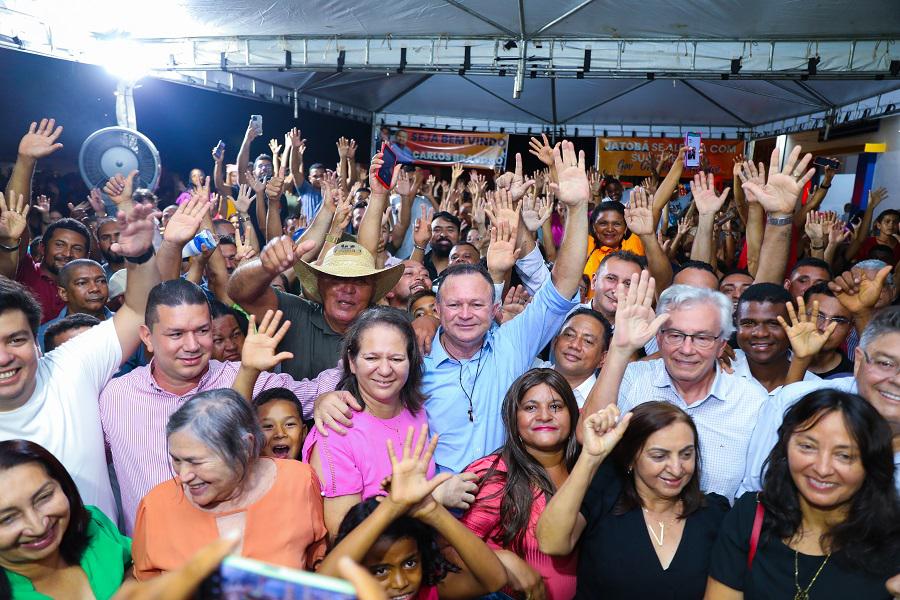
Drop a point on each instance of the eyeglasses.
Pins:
(882, 366)
(704, 341)
(823, 318)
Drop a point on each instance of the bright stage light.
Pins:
(124, 58)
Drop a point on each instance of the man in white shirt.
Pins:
(876, 377)
(52, 400)
(579, 350)
(692, 326)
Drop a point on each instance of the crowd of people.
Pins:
(541, 385)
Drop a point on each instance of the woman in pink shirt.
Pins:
(516, 482)
(383, 371)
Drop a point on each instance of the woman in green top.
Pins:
(51, 544)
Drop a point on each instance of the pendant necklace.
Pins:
(662, 530)
(801, 593)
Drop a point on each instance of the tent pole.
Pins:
(553, 108)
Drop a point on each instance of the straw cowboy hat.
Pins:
(347, 259)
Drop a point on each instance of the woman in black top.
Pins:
(831, 516)
(646, 529)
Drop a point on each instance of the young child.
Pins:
(396, 539)
(281, 417)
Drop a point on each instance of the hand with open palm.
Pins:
(803, 332)
(13, 218)
(636, 321)
(573, 188)
(260, 345)
(782, 189)
(410, 487)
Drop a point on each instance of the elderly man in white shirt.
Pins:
(692, 326)
(876, 377)
(579, 350)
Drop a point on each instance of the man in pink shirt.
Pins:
(135, 408)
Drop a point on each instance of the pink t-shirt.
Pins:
(358, 462)
(483, 519)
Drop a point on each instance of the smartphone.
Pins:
(220, 147)
(692, 154)
(830, 163)
(239, 577)
(256, 120)
(386, 172)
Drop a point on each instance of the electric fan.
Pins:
(113, 150)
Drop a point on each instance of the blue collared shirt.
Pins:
(724, 418)
(310, 200)
(506, 353)
(765, 434)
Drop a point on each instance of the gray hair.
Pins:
(873, 264)
(679, 296)
(885, 321)
(226, 423)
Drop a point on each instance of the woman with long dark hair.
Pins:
(609, 234)
(515, 483)
(644, 527)
(828, 516)
(51, 544)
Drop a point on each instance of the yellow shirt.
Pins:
(632, 244)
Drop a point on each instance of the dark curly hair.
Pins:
(75, 539)
(434, 565)
(521, 474)
(869, 538)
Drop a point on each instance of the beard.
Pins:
(442, 248)
(111, 257)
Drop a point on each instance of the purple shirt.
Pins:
(358, 462)
(134, 411)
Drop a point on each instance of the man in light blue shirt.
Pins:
(472, 362)
(876, 378)
(309, 191)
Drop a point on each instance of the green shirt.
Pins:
(105, 559)
(315, 345)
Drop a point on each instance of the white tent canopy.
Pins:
(725, 67)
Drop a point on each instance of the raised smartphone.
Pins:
(239, 578)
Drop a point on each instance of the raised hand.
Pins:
(136, 230)
(274, 187)
(502, 252)
(838, 234)
(602, 431)
(478, 211)
(519, 185)
(13, 217)
(341, 214)
(258, 186)
(803, 332)
(343, 147)
(351, 149)
(280, 254)
(542, 149)
(244, 199)
(596, 182)
(410, 486)
(857, 291)
(259, 351)
(245, 251)
(639, 212)
(295, 139)
(815, 227)
(503, 181)
(535, 211)
(185, 222)
(94, 199)
(751, 173)
(502, 208)
(40, 141)
(374, 184)
(876, 197)
(404, 185)
(704, 192)
(517, 298)
(79, 211)
(779, 195)
(456, 172)
(636, 322)
(120, 189)
(573, 189)
(422, 228)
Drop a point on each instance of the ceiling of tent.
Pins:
(656, 63)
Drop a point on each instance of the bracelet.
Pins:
(825, 187)
(418, 247)
(822, 247)
(139, 260)
(332, 239)
(780, 220)
(9, 248)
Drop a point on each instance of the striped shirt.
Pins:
(134, 411)
(724, 418)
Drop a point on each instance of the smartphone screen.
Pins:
(821, 161)
(219, 148)
(692, 154)
(386, 171)
(239, 577)
(257, 123)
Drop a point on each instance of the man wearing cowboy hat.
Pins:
(335, 293)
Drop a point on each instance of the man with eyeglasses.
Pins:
(876, 377)
(830, 362)
(691, 326)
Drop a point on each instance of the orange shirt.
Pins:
(632, 243)
(285, 527)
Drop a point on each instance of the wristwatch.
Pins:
(780, 220)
